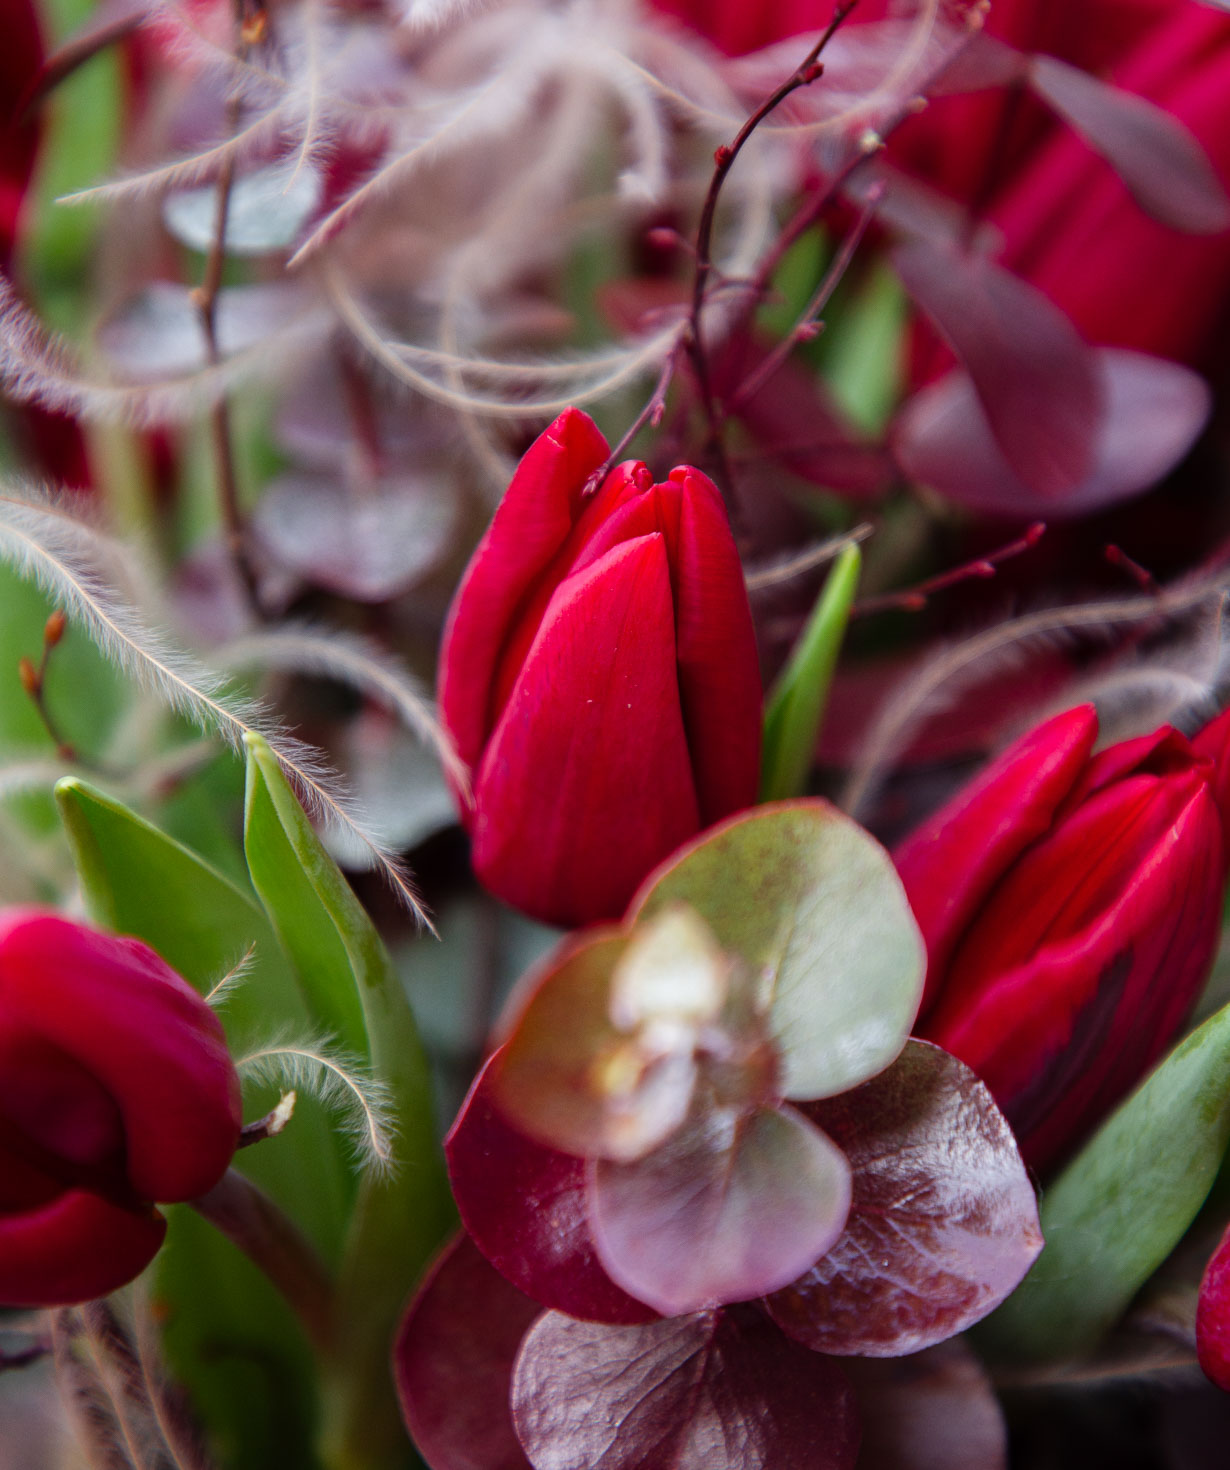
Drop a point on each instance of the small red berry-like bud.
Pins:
(28, 675)
(722, 155)
(54, 628)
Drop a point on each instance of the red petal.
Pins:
(1213, 1316)
(148, 1038)
(1213, 742)
(586, 783)
(952, 861)
(532, 523)
(73, 1249)
(1065, 1035)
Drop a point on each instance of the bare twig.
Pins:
(914, 599)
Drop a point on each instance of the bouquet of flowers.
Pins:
(614, 751)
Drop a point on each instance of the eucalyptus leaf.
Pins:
(1122, 1205)
(813, 905)
(267, 210)
(401, 1216)
(796, 704)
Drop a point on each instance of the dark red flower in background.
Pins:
(1071, 905)
(116, 1091)
(599, 677)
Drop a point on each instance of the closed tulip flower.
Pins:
(1071, 905)
(116, 1091)
(599, 678)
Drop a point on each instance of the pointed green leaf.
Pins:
(814, 906)
(796, 704)
(401, 1218)
(231, 1342)
(1122, 1205)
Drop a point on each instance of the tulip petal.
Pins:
(531, 524)
(1213, 1317)
(586, 783)
(73, 1249)
(1213, 742)
(1063, 1036)
(950, 864)
(719, 672)
(142, 1032)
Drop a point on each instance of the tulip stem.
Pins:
(271, 1241)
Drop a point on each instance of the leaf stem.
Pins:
(271, 1241)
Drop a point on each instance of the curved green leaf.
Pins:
(1122, 1205)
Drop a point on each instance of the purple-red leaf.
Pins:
(453, 1363)
(1036, 380)
(731, 1207)
(1162, 162)
(931, 1411)
(525, 1207)
(1153, 412)
(943, 1223)
(715, 1391)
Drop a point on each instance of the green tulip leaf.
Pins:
(229, 1337)
(796, 704)
(1122, 1205)
(814, 907)
(404, 1212)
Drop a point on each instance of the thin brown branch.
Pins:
(914, 599)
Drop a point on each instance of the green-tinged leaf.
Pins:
(1121, 1206)
(796, 704)
(226, 1346)
(235, 1343)
(402, 1216)
(862, 350)
(813, 905)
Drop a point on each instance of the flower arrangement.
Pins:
(767, 1009)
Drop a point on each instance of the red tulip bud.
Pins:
(1071, 905)
(599, 676)
(116, 1091)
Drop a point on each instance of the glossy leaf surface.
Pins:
(1120, 1206)
(813, 905)
(453, 1362)
(943, 1223)
(731, 1207)
(525, 1206)
(715, 1391)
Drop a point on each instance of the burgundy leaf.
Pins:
(931, 1411)
(1154, 411)
(525, 1207)
(732, 1206)
(1160, 160)
(1036, 380)
(1213, 1316)
(453, 1363)
(366, 541)
(943, 1224)
(715, 1391)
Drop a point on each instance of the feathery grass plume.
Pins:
(50, 548)
(954, 666)
(304, 648)
(22, 777)
(39, 367)
(222, 990)
(339, 1081)
(780, 570)
(85, 1395)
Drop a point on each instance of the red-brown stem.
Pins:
(272, 1242)
(807, 319)
(724, 157)
(650, 414)
(206, 299)
(914, 599)
(1143, 578)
